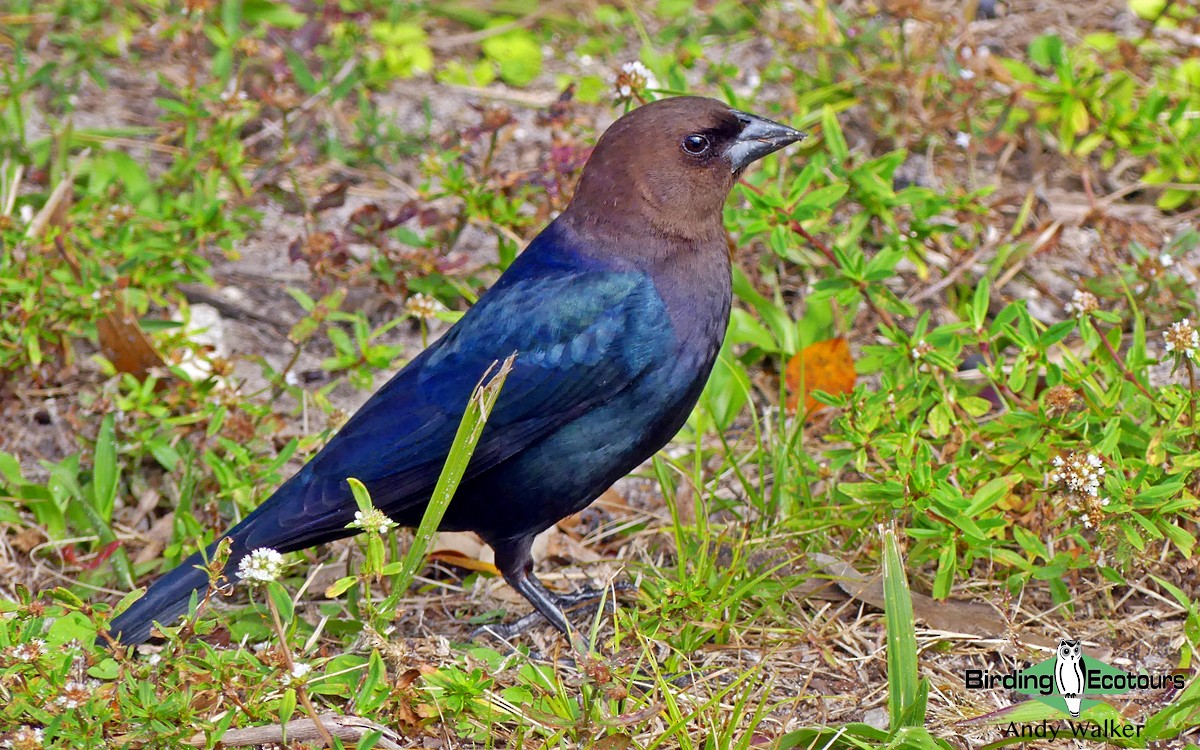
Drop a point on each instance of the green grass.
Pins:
(950, 200)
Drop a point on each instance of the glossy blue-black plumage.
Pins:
(600, 381)
(615, 311)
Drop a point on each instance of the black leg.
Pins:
(515, 562)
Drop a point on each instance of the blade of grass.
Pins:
(475, 416)
(906, 693)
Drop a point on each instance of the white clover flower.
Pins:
(1078, 473)
(422, 306)
(31, 651)
(25, 738)
(263, 564)
(636, 68)
(962, 140)
(1182, 339)
(76, 693)
(634, 77)
(373, 520)
(299, 672)
(1081, 304)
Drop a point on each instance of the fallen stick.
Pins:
(350, 728)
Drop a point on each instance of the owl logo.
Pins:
(1068, 674)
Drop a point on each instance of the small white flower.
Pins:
(422, 306)
(373, 521)
(76, 693)
(1166, 261)
(1079, 474)
(633, 77)
(263, 564)
(919, 351)
(24, 738)
(1182, 339)
(26, 213)
(299, 672)
(966, 74)
(31, 651)
(962, 140)
(636, 68)
(1081, 304)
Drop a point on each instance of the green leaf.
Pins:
(105, 473)
(517, 54)
(979, 304)
(340, 586)
(304, 78)
(475, 416)
(287, 706)
(282, 601)
(272, 13)
(904, 686)
(831, 131)
(990, 493)
(362, 498)
(947, 568)
(824, 198)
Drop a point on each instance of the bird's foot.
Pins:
(566, 602)
(589, 595)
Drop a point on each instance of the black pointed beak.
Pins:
(758, 138)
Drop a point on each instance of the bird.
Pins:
(615, 312)
(1068, 674)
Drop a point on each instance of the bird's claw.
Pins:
(507, 632)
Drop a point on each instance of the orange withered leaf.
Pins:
(125, 344)
(821, 366)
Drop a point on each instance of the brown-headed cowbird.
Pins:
(615, 311)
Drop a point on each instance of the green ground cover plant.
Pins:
(224, 222)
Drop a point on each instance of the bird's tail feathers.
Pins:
(274, 524)
(165, 601)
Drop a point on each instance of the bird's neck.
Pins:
(632, 207)
(692, 276)
(637, 240)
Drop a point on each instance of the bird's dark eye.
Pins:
(695, 144)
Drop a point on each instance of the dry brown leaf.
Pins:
(560, 544)
(821, 366)
(125, 344)
(951, 616)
